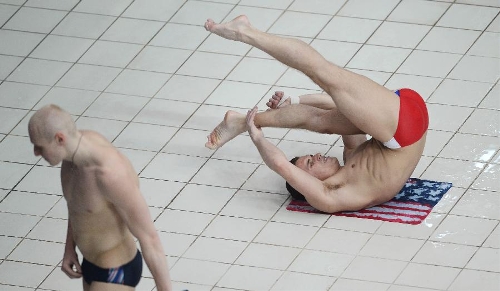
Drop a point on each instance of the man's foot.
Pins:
(279, 100)
(230, 30)
(232, 125)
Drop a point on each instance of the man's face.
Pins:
(49, 150)
(319, 166)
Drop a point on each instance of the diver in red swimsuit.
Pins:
(374, 170)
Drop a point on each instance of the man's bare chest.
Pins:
(372, 162)
(378, 167)
(82, 193)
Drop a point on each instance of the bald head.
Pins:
(49, 120)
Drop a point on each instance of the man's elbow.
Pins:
(150, 240)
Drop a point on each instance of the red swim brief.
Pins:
(413, 119)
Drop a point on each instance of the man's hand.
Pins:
(254, 131)
(278, 100)
(70, 261)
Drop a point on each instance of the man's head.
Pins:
(49, 129)
(317, 165)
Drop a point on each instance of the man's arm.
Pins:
(312, 188)
(122, 191)
(70, 258)
(318, 100)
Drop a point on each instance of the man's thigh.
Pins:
(369, 106)
(101, 286)
(336, 122)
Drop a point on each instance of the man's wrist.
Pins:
(69, 248)
(294, 100)
(256, 137)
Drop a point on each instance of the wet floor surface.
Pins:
(148, 77)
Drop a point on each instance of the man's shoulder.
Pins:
(103, 151)
(112, 161)
(97, 140)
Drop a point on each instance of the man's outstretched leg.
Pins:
(370, 107)
(308, 115)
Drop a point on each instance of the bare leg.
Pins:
(100, 286)
(86, 287)
(292, 116)
(351, 142)
(369, 106)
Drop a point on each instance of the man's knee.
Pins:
(326, 75)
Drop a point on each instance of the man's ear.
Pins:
(60, 138)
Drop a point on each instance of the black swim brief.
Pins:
(128, 274)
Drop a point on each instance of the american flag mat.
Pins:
(411, 205)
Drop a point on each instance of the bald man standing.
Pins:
(105, 207)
